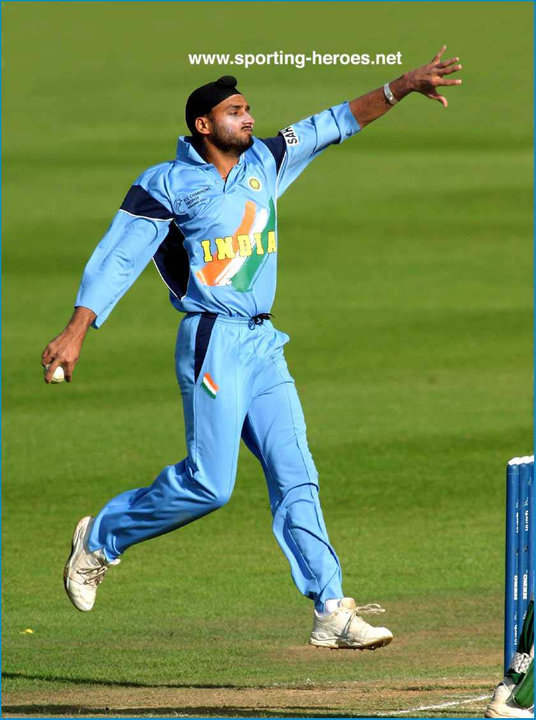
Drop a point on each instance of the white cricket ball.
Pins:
(59, 375)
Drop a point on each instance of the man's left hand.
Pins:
(428, 78)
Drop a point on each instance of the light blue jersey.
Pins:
(215, 244)
(213, 241)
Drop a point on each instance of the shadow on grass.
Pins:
(117, 683)
(224, 711)
(227, 711)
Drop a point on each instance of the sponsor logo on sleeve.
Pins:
(290, 136)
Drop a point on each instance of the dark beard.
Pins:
(229, 144)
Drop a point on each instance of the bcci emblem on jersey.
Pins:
(254, 183)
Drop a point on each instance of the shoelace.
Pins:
(372, 608)
(93, 576)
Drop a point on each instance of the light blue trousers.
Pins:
(235, 383)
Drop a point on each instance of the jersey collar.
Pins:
(187, 153)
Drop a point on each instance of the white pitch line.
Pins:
(439, 707)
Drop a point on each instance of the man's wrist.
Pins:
(401, 87)
(81, 320)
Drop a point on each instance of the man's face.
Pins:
(231, 125)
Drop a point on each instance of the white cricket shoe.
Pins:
(344, 628)
(501, 706)
(84, 570)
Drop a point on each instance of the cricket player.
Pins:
(514, 695)
(208, 221)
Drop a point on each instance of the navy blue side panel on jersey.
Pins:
(202, 339)
(172, 262)
(277, 146)
(228, 230)
(139, 202)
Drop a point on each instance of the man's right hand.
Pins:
(65, 349)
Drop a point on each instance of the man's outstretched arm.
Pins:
(117, 261)
(425, 80)
(136, 232)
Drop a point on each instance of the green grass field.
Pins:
(405, 285)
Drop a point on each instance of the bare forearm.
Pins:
(424, 80)
(80, 322)
(374, 104)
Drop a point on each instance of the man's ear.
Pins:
(202, 125)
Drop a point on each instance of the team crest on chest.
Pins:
(254, 183)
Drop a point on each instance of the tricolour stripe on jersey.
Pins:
(243, 278)
(211, 273)
(239, 270)
(238, 262)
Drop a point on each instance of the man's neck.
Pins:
(224, 162)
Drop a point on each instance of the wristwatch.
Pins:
(389, 95)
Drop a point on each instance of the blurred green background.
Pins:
(404, 283)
